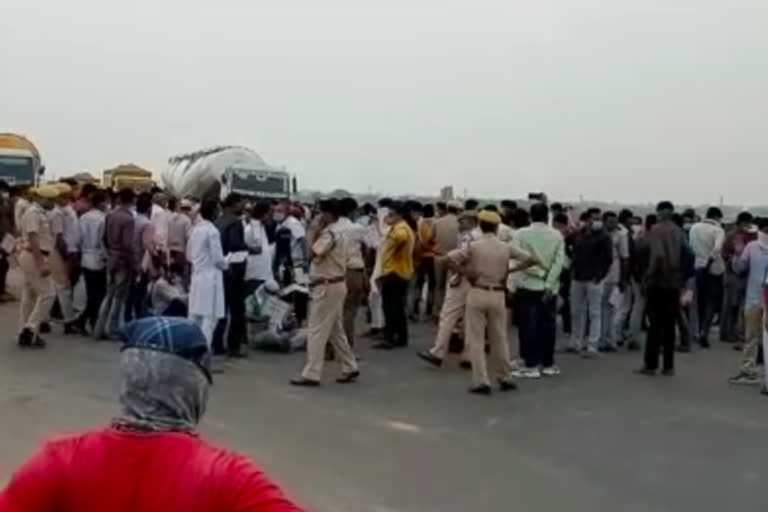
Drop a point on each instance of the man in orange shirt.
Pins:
(396, 272)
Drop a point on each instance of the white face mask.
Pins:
(278, 216)
(597, 225)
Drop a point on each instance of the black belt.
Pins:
(355, 270)
(490, 287)
(330, 280)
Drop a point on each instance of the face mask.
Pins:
(636, 230)
(687, 226)
(278, 217)
(597, 225)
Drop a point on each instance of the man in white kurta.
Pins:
(206, 294)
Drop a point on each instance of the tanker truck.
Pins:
(20, 163)
(217, 172)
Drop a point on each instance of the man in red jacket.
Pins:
(150, 458)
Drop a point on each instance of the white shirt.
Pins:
(206, 294)
(259, 266)
(93, 255)
(620, 242)
(706, 239)
(71, 226)
(354, 235)
(159, 220)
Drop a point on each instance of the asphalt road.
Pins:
(409, 438)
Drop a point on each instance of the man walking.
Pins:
(354, 235)
(615, 282)
(38, 293)
(663, 281)
(706, 240)
(327, 275)
(731, 326)
(592, 259)
(535, 299)
(93, 259)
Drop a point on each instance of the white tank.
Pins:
(219, 171)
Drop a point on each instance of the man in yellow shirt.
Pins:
(396, 272)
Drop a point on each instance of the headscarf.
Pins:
(165, 375)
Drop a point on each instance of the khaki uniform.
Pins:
(487, 261)
(446, 235)
(38, 294)
(327, 274)
(59, 267)
(453, 307)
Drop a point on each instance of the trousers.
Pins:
(234, 324)
(753, 334)
(394, 294)
(586, 302)
(663, 307)
(486, 313)
(709, 296)
(638, 313)
(111, 313)
(37, 294)
(453, 309)
(326, 324)
(62, 285)
(95, 290)
(353, 301)
(441, 283)
(608, 314)
(537, 327)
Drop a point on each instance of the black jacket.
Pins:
(232, 233)
(592, 255)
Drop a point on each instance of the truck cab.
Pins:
(261, 184)
(19, 161)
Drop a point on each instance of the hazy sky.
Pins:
(610, 99)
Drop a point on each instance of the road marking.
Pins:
(403, 427)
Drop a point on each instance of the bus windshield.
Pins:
(17, 170)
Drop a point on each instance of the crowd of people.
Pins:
(587, 282)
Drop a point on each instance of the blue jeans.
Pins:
(537, 327)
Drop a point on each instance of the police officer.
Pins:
(486, 264)
(327, 277)
(38, 292)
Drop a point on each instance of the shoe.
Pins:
(384, 345)
(6, 297)
(744, 378)
(73, 328)
(38, 342)
(550, 371)
(307, 383)
(481, 390)
(45, 327)
(683, 349)
(25, 338)
(668, 372)
(704, 344)
(507, 385)
(413, 318)
(645, 371)
(433, 360)
(465, 365)
(633, 346)
(348, 378)
(527, 373)
(590, 354)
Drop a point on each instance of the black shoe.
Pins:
(384, 345)
(507, 385)
(307, 383)
(348, 378)
(73, 328)
(704, 344)
(480, 390)
(465, 365)
(645, 371)
(668, 372)
(45, 327)
(372, 333)
(433, 360)
(683, 349)
(25, 338)
(633, 346)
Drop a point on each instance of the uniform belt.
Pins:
(490, 287)
(330, 280)
(355, 270)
